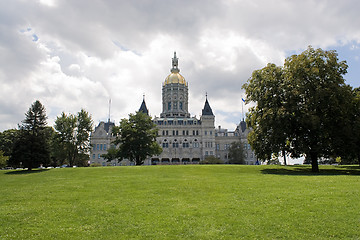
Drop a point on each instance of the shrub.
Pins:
(95, 165)
(211, 160)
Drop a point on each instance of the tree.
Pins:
(3, 159)
(236, 153)
(353, 131)
(31, 148)
(112, 154)
(73, 137)
(311, 106)
(136, 138)
(7, 140)
(356, 123)
(269, 119)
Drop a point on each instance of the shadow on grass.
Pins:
(22, 172)
(306, 171)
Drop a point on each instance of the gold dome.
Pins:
(175, 77)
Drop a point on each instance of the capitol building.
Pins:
(183, 138)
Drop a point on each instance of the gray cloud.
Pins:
(78, 54)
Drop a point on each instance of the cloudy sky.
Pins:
(79, 53)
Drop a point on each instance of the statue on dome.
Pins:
(175, 61)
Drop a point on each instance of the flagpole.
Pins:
(242, 108)
(109, 108)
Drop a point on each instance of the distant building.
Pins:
(184, 139)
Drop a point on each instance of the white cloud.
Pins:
(78, 54)
(49, 3)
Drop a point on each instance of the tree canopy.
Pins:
(73, 137)
(236, 153)
(31, 148)
(7, 140)
(302, 108)
(136, 138)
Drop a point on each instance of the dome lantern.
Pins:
(175, 76)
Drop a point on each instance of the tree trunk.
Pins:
(284, 155)
(314, 162)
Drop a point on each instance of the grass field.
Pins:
(181, 202)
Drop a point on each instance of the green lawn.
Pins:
(181, 202)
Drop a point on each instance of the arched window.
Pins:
(165, 144)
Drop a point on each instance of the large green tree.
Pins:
(136, 138)
(31, 147)
(269, 118)
(303, 109)
(237, 153)
(73, 137)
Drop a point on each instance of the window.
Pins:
(165, 145)
(175, 105)
(97, 146)
(181, 105)
(93, 156)
(101, 147)
(98, 156)
(185, 145)
(210, 132)
(205, 132)
(105, 147)
(217, 146)
(169, 105)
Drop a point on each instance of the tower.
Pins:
(207, 130)
(175, 93)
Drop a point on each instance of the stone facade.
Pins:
(184, 139)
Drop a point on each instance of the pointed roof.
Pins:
(143, 107)
(207, 109)
(243, 125)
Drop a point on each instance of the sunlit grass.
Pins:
(181, 202)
